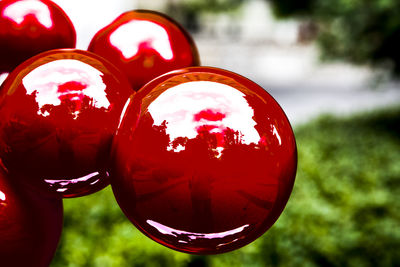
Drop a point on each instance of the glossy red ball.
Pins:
(30, 225)
(145, 44)
(58, 113)
(204, 160)
(29, 27)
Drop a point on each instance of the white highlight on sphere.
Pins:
(45, 80)
(130, 36)
(19, 10)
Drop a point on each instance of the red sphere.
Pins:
(58, 113)
(204, 160)
(30, 226)
(144, 45)
(29, 27)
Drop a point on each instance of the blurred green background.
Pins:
(344, 210)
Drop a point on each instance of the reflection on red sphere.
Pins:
(145, 44)
(204, 160)
(30, 226)
(58, 113)
(29, 27)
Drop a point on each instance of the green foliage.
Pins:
(96, 233)
(187, 12)
(210, 5)
(361, 31)
(286, 8)
(343, 210)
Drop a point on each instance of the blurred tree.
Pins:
(360, 31)
(187, 11)
(211, 5)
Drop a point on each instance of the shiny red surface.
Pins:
(30, 226)
(28, 27)
(58, 113)
(204, 160)
(145, 44)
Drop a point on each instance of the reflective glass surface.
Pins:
(58, 113)
(204, 160)
(28, 27)
(145, 44)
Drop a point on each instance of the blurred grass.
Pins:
(344, 210)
